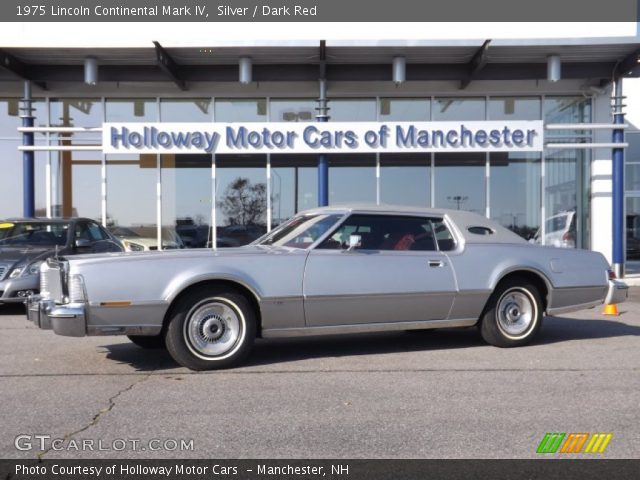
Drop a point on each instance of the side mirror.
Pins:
(82, 243)
(355, 241)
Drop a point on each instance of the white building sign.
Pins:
(331, 137)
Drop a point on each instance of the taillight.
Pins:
(612, 274)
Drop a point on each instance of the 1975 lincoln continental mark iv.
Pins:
(326, 271)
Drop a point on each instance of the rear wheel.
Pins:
(513, 314)
(147, 341)
(210, 329)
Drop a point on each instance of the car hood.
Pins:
(12, 256)
(193, 253)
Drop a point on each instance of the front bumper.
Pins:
(69, 320)
(10, 288)
(617, 292)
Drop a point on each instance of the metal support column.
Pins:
(618, 182)
(28, 164)
(323, 161)
(323, 116)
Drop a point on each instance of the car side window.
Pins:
(96, 233)
(81, 231)
(445, 240)
(384, 232)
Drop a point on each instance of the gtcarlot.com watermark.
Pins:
(43, 443)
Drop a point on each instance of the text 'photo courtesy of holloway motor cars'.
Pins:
(331, 270)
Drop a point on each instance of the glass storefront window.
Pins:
(632, 162)
(294, 185)
(405, 179)
(352, 178)
(131, 178)
(458, 109)
(460, 181)
(514, 108)
(299, 110)
(186, 178)
(241, 110)
(563, 190)
(567, 110)
(78, 173)
(352, 110)
(633, 229)
(186, 110)
(405, 109)
(515, 192)
(241, 199)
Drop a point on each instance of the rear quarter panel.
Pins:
(573, 277)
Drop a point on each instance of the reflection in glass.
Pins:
(186, 178)
(241, 110)
(299, 110)
(460, 181)
(131, 191)
(11, 191)
(632, 162)
(241, 199)
(515, 192)
(78, 174)
(352, 110)
(514, 108)
(186, 110)
(459, 109)
(561, 191)
(633, 229)
(352, 178)
(405, 179)
(567, 110)
(131, 178)
(294, 185)
(405, 109)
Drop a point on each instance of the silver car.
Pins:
(326, 271)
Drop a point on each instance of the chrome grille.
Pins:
(3, 270)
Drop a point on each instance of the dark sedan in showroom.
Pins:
(26, 242)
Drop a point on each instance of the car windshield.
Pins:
(300, 232)
(33, 233)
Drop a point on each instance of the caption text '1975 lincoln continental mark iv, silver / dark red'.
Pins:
(326, 271)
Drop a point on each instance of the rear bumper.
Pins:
(617, 293)
(69, 320)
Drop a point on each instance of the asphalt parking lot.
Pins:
(401, 395)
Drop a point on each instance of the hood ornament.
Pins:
(56, 253)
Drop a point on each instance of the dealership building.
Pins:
(560, 194)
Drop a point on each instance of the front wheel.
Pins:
(513, 314)
(210, 329)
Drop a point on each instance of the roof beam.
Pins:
(476, 64)
(169, 66)
(18, 68)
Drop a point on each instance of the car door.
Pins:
(397, 274)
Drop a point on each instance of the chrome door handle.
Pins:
(436, 263)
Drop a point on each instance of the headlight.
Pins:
(16, 272)
(133, 247)
(34, 268)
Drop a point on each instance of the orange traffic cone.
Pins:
(611, 309)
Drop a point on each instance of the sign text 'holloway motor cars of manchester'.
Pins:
(338, 137)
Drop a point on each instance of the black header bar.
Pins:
(319, 11)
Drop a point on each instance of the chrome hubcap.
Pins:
(212, 328)
(516, 312)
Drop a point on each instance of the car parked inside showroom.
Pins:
(25, 243)
(331, 270)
